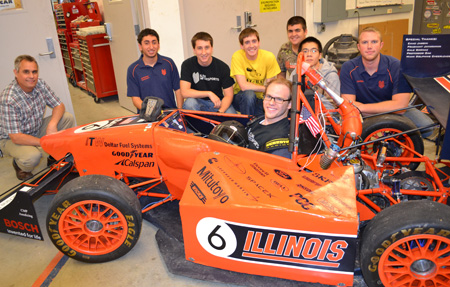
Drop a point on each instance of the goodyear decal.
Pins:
(334, 253)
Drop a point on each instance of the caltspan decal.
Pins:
(324, 252)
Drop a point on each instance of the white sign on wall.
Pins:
(373, 3)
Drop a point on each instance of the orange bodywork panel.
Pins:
(243, 215)
(177, 152)
(109, 147)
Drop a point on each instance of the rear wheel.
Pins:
(389, 124)
(408, 244)
(94, 218)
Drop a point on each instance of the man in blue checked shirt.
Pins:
(22, 123)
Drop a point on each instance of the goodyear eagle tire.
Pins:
(408, 244)
(384, 125)
(94, 218)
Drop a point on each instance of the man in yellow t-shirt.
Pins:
(252, 68)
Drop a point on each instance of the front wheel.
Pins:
(408, 244)
(94, 218)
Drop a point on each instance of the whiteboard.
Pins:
(373, 3)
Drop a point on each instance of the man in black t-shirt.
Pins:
(270, 133)
(205, 82)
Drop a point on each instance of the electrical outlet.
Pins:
(389, 11)
(321, 28)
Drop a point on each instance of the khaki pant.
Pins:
(28, 157)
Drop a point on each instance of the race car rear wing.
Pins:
(17, 213)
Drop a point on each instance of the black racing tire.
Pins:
(408, 244)
(94, 218)
(380, 126)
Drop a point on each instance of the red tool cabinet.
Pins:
(98, 72)
(64, 42)
(65, 13)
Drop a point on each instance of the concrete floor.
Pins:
(24, 260)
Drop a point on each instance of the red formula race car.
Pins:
(308, 218)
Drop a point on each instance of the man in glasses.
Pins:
(270, 132)
(287, 55)
(312, 54)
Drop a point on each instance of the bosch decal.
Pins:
(279, 247)
(18, 216)
(20, 225)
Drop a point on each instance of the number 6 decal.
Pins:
(216, 237)
(214, 234)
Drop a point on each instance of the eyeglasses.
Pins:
(313, 51)
(276, 100)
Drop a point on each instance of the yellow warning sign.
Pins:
(10, 4)
(269, 5)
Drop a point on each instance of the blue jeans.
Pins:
(204, 105)
(420, 120)
(248, 104)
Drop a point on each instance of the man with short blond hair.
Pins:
(270, 132)
(252, 67)
(375, 83)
